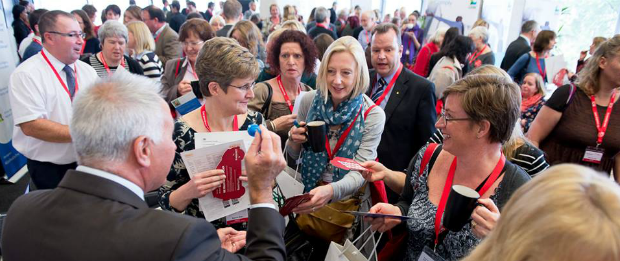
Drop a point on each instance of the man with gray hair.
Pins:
(321, 17)
(122, 133)
(41, 91)
(232, 14)
(529, 31)
(368, 21)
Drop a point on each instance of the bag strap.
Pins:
(176, 70)
(265, 109)
(368, 110)
(426, 158)
(573, 89)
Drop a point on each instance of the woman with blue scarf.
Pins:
(354, 126)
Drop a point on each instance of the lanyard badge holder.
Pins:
(595, 154)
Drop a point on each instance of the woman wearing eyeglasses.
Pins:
(113, 36)
(478, 117)
(227, 87)
(180, 72)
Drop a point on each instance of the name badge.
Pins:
(186, 103)
(593, 155)
(429, 255)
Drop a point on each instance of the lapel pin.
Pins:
(397, 93)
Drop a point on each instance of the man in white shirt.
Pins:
(122, 133)
(41, 90)
(368, 21)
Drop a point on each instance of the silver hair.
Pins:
(218, 18)
(321, 14)
(112, 28)
(110, 114)
(439, 34)
(480, 32)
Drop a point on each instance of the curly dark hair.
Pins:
(292, 36)
(460, 47)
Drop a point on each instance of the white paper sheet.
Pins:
(297, 103)
(288, 184)
(207, 158)
(207, 139)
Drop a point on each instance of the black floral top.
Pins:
(528, 116)
(183, 137)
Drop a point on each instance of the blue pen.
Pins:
(296, 123)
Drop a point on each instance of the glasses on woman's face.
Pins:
(192, 44)
(447, 118)
(245, 88)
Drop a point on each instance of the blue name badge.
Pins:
(186, 103)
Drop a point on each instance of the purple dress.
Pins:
(409, 50)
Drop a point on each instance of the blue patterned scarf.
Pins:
(314, 164)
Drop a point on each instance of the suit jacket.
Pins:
(167, 46)
(92, 218)
(171, 79)
(317, 30)
(224, 31)
(409, 121)
(515, 49)
(176, 20)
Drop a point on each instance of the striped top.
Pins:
(130, 65)
(151, 65)
(527, 157)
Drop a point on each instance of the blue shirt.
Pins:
(32, 49)
(523, 65)
(388, 79)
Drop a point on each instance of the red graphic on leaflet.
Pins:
(231, 164)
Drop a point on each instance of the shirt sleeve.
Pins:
(518, 66)
(26, 97)
(559, 98)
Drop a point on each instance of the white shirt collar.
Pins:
(58, 65)
(115, 178)
(161, 29)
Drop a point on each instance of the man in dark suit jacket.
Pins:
(409, 104)
(176, 18)
(98, 211)
(167, 45)
(232, 14)
(521, 45)
(321, 16)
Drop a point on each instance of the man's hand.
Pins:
(263, 162)
(232, 240)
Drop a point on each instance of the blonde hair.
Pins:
(233, 62)
(588, 80)
(481, 22)
(289, 13)
(493, 98)
(142, 36)
(568, 212)
(352, 46)
(251, 36)
(439, 34)
(293, 25)
(540, 83)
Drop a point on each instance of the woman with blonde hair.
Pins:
(132, 13)
(424, 56)
(568, 213)
(532, 98)
(216, 22)
(289, 13)
(579, 123)
(141, 47)
(271, 23)
(249, 36)
(293, 25)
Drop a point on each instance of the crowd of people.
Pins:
(97, 115)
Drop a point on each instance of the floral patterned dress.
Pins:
(183, 137)
(527, 117)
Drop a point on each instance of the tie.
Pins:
(375, 96)
(70, 79)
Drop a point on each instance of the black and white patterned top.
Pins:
(528, 157)
(415, 202)
(183, 137)
(151, 65)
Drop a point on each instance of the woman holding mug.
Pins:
(353, 125)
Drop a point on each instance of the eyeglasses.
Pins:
(245, 88)
(71, 34)
(446, 119)
(192, 44)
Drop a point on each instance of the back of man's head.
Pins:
(529, 26)
(232, 10)
(320, 15)
(175, 5)
(210, 5)
(33, 18)
(47, 21)
(155, 12)
(101, 136)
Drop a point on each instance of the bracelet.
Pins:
(273, 126)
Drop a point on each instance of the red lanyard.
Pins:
(36, 41)
(193, 71)
(367, 37)
(60, 79)
(448, 186)
(390, 85)
(543, 74)
(322, 25)
(475, 55)
(203, 113)
(283, 91)
(157, 37)
(106, 64)
(342, 138)
(602, 129)
(83, 46)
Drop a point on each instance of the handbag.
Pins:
(330, 223)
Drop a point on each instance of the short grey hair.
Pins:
(112, 28)
(529, 26)
(110, 114)
(439, 35)
(480, 32)
(320, 14)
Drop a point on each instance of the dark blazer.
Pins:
(171, 78)
(224, 31)
(515, 49)
(176, 20)
(409, 121)
(168, 47)
(92, 218)
(317, 30)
